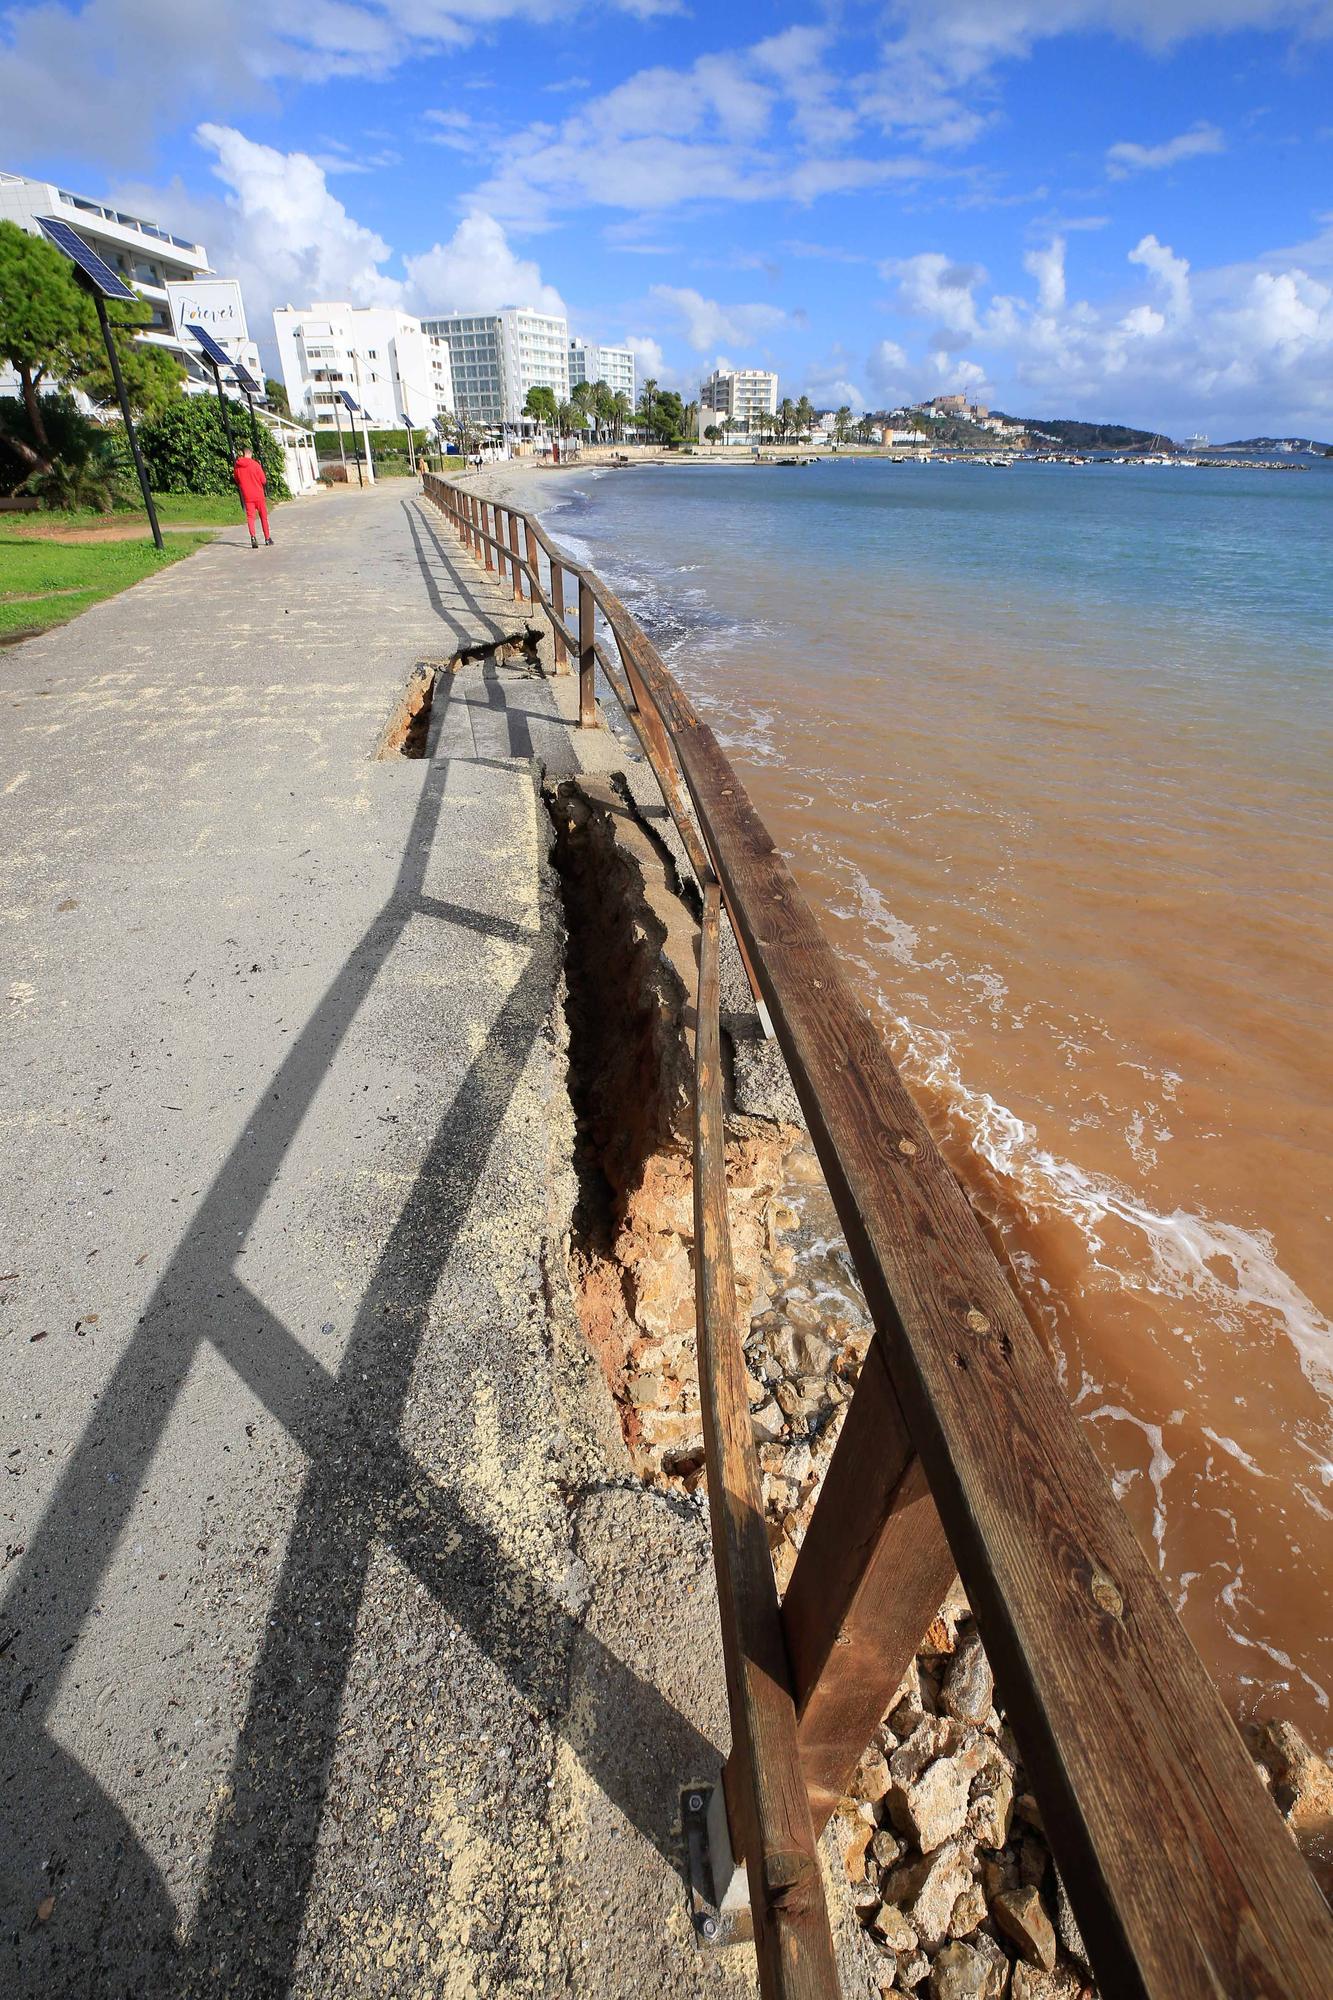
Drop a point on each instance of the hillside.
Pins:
(1087, 437)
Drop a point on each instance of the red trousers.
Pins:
(252, 507)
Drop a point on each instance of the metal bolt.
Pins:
(695, 1802)
(709, 1927)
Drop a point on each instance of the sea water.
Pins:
(1049, 748)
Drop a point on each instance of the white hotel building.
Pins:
(739, 393)
(146, 256)
(390, 366)
(589, 362)
(497, 357)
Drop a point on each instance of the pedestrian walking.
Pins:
(250, 483)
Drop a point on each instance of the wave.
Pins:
(1221, 1266)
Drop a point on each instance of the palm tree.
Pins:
(786, 417)
(692, 420)
(842, 423)
(621, 414)
(805, 417)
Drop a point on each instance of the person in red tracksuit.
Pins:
(250, 482)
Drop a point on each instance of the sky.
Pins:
(1113, 209)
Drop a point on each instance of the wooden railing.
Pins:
(959, 1449)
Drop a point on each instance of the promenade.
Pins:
(333, 1641)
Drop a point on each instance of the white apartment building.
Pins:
(740, 393)
(146, 256)
(592, 362)
(390, 366)
(497, 357)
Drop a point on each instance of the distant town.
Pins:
(511, 382)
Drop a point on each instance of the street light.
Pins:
(101, 281)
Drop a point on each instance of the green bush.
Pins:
(326, 442)
(185, 449)
(90, 464)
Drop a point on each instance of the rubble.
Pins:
(1021, 1915)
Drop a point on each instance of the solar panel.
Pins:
(71, 244)
(246, 380)
(349, 402)
(217, 355)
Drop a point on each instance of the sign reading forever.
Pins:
(213, 303)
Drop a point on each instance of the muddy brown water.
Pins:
(1053, 769)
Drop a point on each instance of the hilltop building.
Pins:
(165, 271)
(589, 362)
(390, 366)
(739, 393)
(497, 357)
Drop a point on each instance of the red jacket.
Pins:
(249, 476)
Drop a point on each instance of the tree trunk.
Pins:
(32, 404)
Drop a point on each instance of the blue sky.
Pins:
(1103, 208)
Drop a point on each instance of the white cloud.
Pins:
(1048, 268)
(932, 286)
(477, 271)
(1127, 157)
(889, 371)
(1171, 272)
(105, 76)
(707, 322)
(1236, 349)
(281, 230)
(770, 122)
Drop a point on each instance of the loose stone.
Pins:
(1021, 1915)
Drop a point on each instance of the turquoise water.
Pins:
(1049, 748)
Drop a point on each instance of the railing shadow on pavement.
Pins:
(118, 1928)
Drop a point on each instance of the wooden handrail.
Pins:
(1185, 1883)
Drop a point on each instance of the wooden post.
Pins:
(487, 553)
(792, 1940)
(587, 658)
(516, 574)
(1185, 1883)
(534, 567)
(873, 1570)
(558, 609)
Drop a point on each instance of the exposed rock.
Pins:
(768, 1421)
(990, 1809)
(912, 1969)
(1066, 1926)
(1031, 1982)
(929, 1888)
(934, 1807)
(1021, 1915)
(908, 1709)
(968, 1912)
(887, 1849)
(968, 1687)
(892, 1928)
(941, 1632)
(960, 1973)
(1302, 1792)
(1034, 1860)
(854, 1835)
(872, 1775)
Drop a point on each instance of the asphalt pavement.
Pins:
(339, 1655)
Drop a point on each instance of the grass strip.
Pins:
(44, 583)
(191, 510)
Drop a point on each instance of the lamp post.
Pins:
(101, 282)
(365, 422)
(124, 401)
